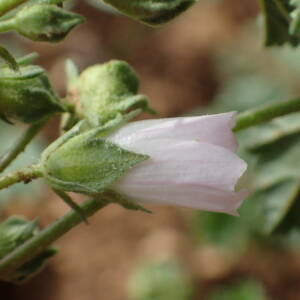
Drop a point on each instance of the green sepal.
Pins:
(277, 21)
(151, 12)
(100, 131)
(22, 61)
(102, 92)
(27, 95)
(8, 58)
(27, 72)
(76, 130)
(85, 163)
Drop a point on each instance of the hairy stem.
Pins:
(266, 113)
(46, 237)
(24, 175)
(21, 143)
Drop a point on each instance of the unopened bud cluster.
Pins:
(26, 95)
(42, 22)
(102, 92)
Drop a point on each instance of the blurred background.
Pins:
(210, 59)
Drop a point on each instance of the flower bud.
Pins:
(85, 163)
(103, 92)
(27, 95)
(187, 161)
(151, 12)
(45, 22)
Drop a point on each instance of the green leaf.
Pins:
(13, 232)
(277, 21)
(272, 151)
(267, 208)
(262, 135)
(295, 15)
(32, 268)
(274, 157)
(277, 161)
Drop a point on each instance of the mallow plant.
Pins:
(185, 161)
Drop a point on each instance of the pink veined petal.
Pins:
(214, 129)
(191, 196)
(180, 166)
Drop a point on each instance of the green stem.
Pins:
(266, 113)
(46, 237)
(7, 5)
(24, 175)
(21, 143)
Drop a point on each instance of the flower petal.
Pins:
(214, 129)
(194, 196)
(183, 173)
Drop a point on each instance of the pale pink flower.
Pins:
(192, 162)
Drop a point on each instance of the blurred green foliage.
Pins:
(282, 21)
(20, 192)
(243, 290)
(272, 150)
(160, 280)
